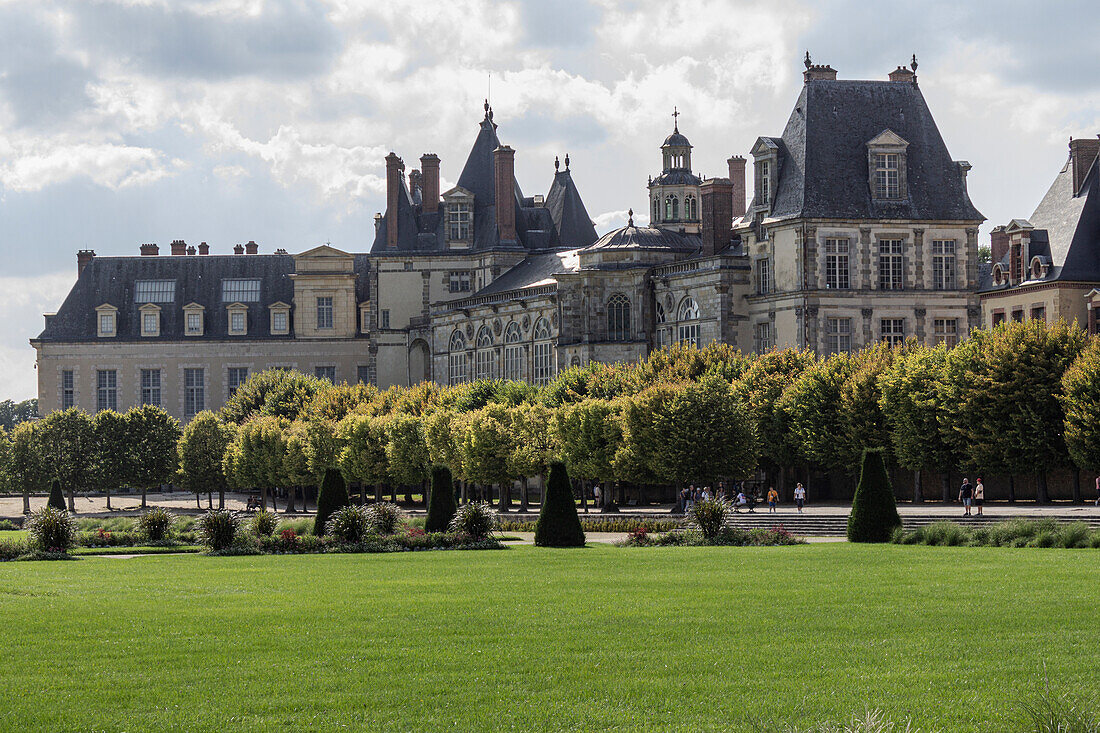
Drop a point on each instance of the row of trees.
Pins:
(1021, 399)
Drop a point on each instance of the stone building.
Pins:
(1047, 267)
(859, 229)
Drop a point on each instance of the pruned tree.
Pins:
(28, 469)
(1081, 404)
(534, 446)
(406, 449)
(255, 458)
(280, 393)
(202, 449)
(486, 445)
(811, 409)
(67, 446)
(152, 440)
(362, 457)
(111, 455)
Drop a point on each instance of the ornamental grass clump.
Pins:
(559, 525)
(155, 525)
(874, 514)
(218, 529)
(710, 517)
(350, 524)
(385, 518)
(263, 523)
(51, 530)
(476, 520)
(441, 502)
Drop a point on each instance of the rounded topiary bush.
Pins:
(156, 524)
(218, 529)
(332, 496)
(385, 518)
(263, 523)
(874, 514)
(559, 525)
(57, 499)
(349, 524)
(441, 502)
(51, 530)
(476, 520)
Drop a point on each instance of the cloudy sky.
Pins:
(130, 121)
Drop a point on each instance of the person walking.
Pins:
(690, 499)
(966, 494)
(800, 497)
(1098, 491)
(979, 495)
(596, 495)
(773, 499)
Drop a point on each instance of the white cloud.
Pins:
(34, 166)
(23, 300)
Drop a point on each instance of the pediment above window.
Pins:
(888, 139)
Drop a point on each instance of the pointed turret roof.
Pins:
(575, 228)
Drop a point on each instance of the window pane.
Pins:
(106, 390)
(194, 392)
(325, 372)
(154, 291)
(278, 321)
(150, 387)
(241, 291)
(236, 377)
(68, 389)
(324, 312)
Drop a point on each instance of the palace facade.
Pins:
(858, 228)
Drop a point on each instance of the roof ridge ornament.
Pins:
(486, 106)
(557, 163)
(567, 161)
(630, 217)
(675, 120)
(913, 64)
(807, 61)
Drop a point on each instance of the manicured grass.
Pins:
(136, 550)
(602, 638)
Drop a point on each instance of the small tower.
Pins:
(674, 195)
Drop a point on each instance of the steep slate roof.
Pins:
(568, 213)
(536, 269)
(198, 279)
(823, 170)
(1070, 226)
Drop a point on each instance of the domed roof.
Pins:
(635, 237)
(675, 139)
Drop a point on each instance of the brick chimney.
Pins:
(998, 244)
(394, 168)
(817, 72)
(737, 179)
(191, 251)
(179, 247)
(83, 257)
(902, 74)
(251, 248)
(238, 249)
(149, 250)
(504, 164)
(429, 191)
(1082, 153)
(204, 248)
(717, 205)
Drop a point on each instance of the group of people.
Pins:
(972, 496)
(742, 499)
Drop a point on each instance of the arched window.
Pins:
(656, 209)
(659, 312)
(543, 352)
(618, 318)
(675, 208)
(486, 354)
(691, 210)
(457, 358)
(663, 336)
(668, 207)
(513, 352)
(687, 331)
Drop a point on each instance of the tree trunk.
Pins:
(198, 501)
(108, 492)
(263, 499)
(523, 507)
(464, 496)
(947, 488)
(1076, 486)
(305, 507)
(210, 500)
(26, 501)
(378, 493)
(1041, 495)
(917, 497)
(144, 492)
(221, 498)
(393, 493)
(506, 496)
(1011, 489)
(289, 501)
(72, 499)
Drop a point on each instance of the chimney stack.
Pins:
(737, 180)
(251, 248)
(717, 206)
(179, 247)
(817, 72)
(1082, 153)
(504, 162)
(204, 248)
(415, 179)
(149, 250)
(998, 244)
(83, 257)
(902, 74)
(429, 192)
(377, 223)
(238, 249)
(394, 168)
(191, 251)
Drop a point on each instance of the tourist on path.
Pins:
(1098, 491)
(799, 497)
(966, 493)
(739, 502)
(773, 499)
(596, 494)
(979, 495)
(690, 499)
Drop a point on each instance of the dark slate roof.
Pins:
(646, 238)
(675, 139)
(570, 217)
(1067, 227)
(823, 155)
(198, 279)
(538, 268)
(676, 178)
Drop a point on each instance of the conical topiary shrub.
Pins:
(441, 502)
(332, 496)
(558, 525)
(874, 514)
(57, 499)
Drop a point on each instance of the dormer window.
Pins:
(106, 321)
(886, 162)
(886, 176)
(458, 207)
(150, 320)
(193, 319)
(280, 319)
(238, 319)
(763, 182)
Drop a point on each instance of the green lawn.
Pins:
(531, 639)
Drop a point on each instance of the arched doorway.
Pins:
(420, 362)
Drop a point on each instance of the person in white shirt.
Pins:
(799, 497)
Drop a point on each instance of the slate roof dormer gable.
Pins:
(574, 226)
(824, 155)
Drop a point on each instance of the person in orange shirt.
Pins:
(773, 499)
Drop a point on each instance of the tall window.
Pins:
(946, 331)
(278, 322)
(513, 352)
(893, 331)
(460, 281)
(886, 176)
(154, 291)
(327, 373)
(363, 374)
(194, 322)
(763, 276)
(543, 353)
(688, 332)
(150, 387)
(486, 354)
(150, 324)
(237, 322)
(241, 291)
(943, 264)
(838, 335)
(324, 312)
(1039, 313)
(457, 358)
(891, 265)
(107, 324)
(194, 392)
(68, 389)
(663, 336)
(675, 208)
(763, 182)
(691, 208)
(618, 318)
(836, 264)
(668, 207)
(458, 220)
(763, 337)
(656, 209)
(106, 397)
(236, 377)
